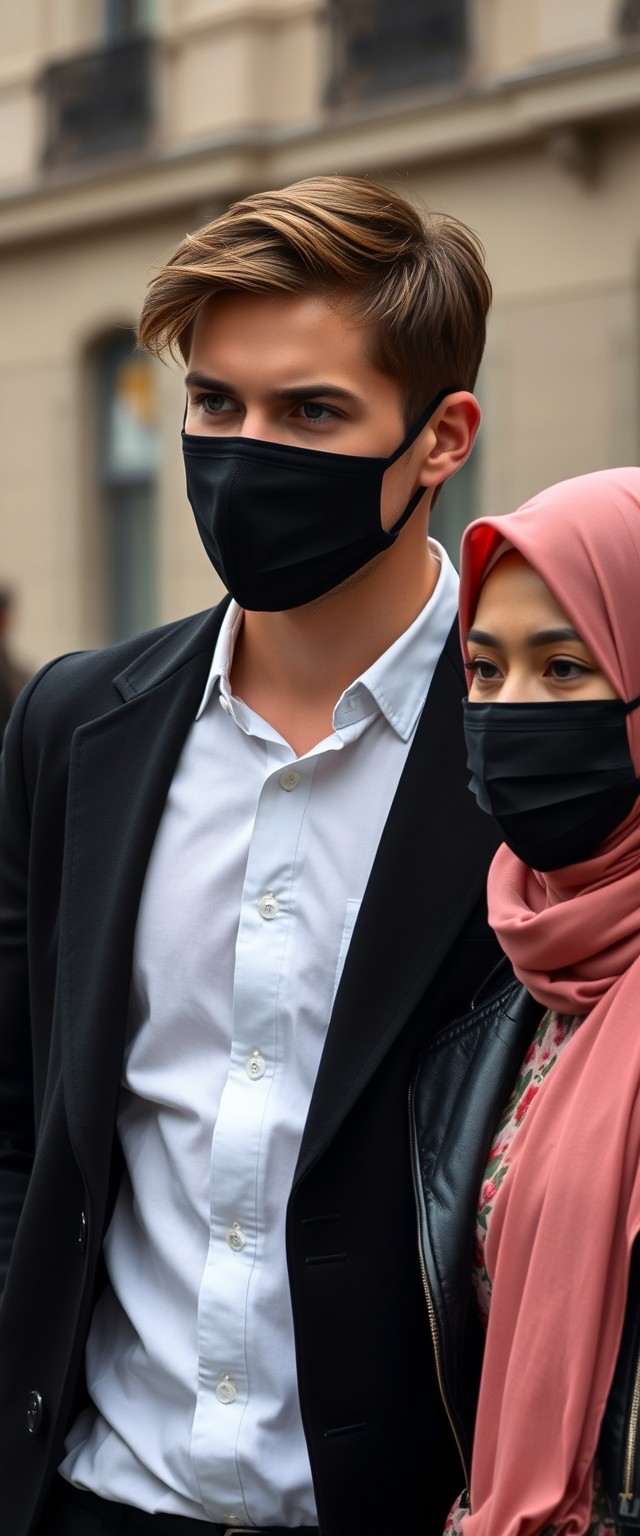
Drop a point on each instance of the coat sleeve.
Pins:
(16, 1075)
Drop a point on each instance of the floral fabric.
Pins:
(552, 1036)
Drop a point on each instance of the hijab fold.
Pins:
(565, 1220)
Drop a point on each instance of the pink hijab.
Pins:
(565, 1219)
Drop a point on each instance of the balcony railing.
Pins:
(387, 45)
(99, 103)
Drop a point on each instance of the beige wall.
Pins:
(518, 36)
(545, 165)
(53, 306)
(226, 65)
(561, 377)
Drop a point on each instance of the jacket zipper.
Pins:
(629, 1503)
(433, 1321)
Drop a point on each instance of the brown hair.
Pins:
(417, 279)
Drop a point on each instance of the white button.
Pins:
(268, 907)
(290, 779)
(224, 704)
(255, 1066)
(236, 1238)
(226, 1390)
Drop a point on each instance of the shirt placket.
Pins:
(237, 1233)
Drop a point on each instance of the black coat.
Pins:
(465, 1078)
(88, 760)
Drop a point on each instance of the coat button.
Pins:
(82, 1232)
(35, 1409)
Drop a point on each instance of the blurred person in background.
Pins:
(12, 676)
(241, 882)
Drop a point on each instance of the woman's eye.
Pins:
(482, 670)
(564, 669)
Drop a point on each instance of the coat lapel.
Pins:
(428, 874)
(120, 771)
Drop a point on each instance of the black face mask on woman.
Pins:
(558, 778)
(283, 525)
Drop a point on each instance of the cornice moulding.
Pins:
(422, 129)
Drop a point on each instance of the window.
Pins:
(628, 19)
(128, 467)
(127, 18)
(387, 45)
(103, 101)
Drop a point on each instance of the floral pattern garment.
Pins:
(553, 1035)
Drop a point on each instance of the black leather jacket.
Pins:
(464, 1080)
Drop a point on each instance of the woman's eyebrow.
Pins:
(482, 637)
(541, 637)
(551, 636)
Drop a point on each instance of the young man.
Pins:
(241, 884)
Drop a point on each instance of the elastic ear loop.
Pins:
(410, 438)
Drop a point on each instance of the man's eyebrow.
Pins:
(196, 380)
(541, 637)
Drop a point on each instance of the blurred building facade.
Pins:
(123, 123)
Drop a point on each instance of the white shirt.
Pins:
(252, 891)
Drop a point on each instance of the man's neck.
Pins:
(291, 667)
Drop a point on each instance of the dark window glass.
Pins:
(100, 102)
(127, 18)
(128, 465)
(387, 45)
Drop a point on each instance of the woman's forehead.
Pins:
(512, 585)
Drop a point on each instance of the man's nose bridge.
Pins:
(258, 424)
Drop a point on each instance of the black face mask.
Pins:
(557, 778)
(283, 525)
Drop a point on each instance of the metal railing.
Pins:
(379, 46)
(99, 103)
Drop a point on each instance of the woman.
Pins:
(550, 603)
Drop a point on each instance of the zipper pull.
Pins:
(628, 1506)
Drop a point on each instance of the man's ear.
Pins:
(449, 437)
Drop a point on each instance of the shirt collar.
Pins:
(220, 671)
(398, 682)
(396, 685)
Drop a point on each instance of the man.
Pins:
(241, 883)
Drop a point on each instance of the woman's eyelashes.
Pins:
(559, 669)
(566, 669)
(482, 670)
